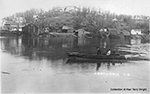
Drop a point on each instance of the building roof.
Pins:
(12, 24)
(67, 27)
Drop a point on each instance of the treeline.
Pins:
(90, 19)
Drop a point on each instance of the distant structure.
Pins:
(136, 32)
(30, 29)
(11, 26)
(67, 29)
(71, 9)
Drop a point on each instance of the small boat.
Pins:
(82, 57)
(95, 56)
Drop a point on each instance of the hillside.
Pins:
(80, 18)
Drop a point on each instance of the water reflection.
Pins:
(108, 64)
(55, 49)
(41, 63)
(97, 65)
(135, 41)
(37, 48)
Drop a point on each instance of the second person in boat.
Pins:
(103, 51)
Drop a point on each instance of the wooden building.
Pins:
(30, 29)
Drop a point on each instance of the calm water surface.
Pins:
(37, 65)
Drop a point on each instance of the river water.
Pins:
(39, 65)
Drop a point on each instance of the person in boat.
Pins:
(115, 52)
(105, 32)
(99, 51)
(104, 51)
(108, 52)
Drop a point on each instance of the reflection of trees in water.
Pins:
(104, 43)
(37, 48)
(51, 48)
(12, 45)
(135, 41)
(46, 48)
(112, 44)
(85, 45)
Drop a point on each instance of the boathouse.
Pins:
(30, 29)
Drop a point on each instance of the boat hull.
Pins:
(81, 57)
(83, 60)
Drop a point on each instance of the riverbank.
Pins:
(9, 33)
(60, 35)
(63, 35)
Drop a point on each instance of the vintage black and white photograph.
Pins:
(74, 46)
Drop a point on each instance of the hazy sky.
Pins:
(131, 7)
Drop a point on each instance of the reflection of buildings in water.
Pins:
(112, 43)
(12, 45)
(85, 45)
(47, 48)
(126, 40)
(82, 41)
(120, 41)
(46, 42)
(104, 43)
(51, 48)
(19, 46)
(135, 41)
(2, 45)
(36, 48)
(64, 45)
